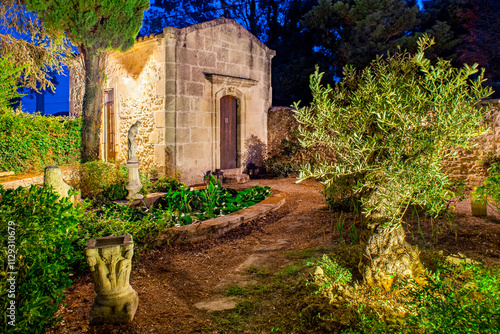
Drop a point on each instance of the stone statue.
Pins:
(110, 262)
(132, 144)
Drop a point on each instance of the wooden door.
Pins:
(109, 114)
(228, 132)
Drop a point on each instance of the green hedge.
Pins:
(31, 142)
(38, 237)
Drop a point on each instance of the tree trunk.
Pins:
(387, 258)
(94, 64)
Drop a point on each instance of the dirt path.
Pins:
(178, 285)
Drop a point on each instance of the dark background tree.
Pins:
(95, 28)
(24, 37)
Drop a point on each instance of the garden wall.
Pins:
(280, 123)
(471, 165)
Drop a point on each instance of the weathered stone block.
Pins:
(200, 135)
(159, 119)
(160, 154)
(194, 89)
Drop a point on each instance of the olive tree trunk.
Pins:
(387, 257)
(94, 65)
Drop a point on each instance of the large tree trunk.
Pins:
(387, 257)
(95, 65)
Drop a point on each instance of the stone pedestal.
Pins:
(52, 177)
(110, 262)
(134, 184)
(478, 209)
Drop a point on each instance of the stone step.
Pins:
(236, 179)
(232, 171)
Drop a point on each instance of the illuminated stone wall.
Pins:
(470, 166)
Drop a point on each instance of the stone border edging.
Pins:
(215, 227)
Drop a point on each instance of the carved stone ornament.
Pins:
(110, 262)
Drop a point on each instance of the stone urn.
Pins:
(110, 262)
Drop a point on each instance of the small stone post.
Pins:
(110, 262)
(53, 177)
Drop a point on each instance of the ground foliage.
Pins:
(45, 231)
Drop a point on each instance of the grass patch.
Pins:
(234, 290)
(457, 299)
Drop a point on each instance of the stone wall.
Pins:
(470, 165)
(281, 121)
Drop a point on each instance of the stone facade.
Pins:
(173, 83)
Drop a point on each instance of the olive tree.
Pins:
(384, 133)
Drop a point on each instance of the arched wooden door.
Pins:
(228, 132)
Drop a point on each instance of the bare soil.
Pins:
(175, 284)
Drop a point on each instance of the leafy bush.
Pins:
(43, 230)
(490, 187)
(164, 184)
(276, 166)
(100, 182)
(31, 142)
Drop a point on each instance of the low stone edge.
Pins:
(216, 227)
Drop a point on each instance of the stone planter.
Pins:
(110, 262)
(478, 209)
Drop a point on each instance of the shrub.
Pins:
(164, 184)
(100, 182)
(43, 230)
(31, 142)
(145, 226)
(280, 168)
(490, 187)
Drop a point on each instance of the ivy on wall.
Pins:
(31, 142)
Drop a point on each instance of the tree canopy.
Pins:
(25, 39)
(382, 134)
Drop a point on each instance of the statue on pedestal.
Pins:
(134, 184)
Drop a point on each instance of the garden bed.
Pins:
(217, 226)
